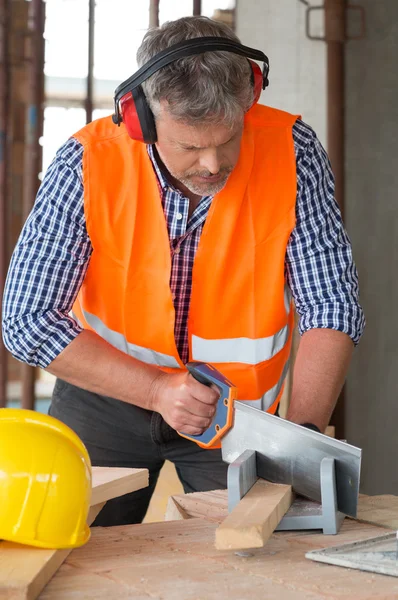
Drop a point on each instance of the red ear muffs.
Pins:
(137, 116)
(131, 106)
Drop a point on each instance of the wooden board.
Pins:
(330, 431)
(178, 561)
(212, 506)
(112, 482)
(379, 510)
(24, 570)
(175, 512)
(254, 519)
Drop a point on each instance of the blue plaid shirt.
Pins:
(53, 252)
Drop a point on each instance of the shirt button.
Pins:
(177, 250)
(179, 216)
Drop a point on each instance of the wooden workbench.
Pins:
(177, 560)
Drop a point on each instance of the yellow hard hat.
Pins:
(45, 481)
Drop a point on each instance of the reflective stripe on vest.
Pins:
(239, 350)
(269, 397)
(163, 360)
(243, 350)
(119, 341)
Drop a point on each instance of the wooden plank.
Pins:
(252, 522)
(38, 567)
(175, 512)
(330, 431)
(167, 485)
(111, 482)
(177, 560)
(94, 511)
(212, 506)
(24, 570)
(379, 510)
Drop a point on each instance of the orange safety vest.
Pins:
(241, 317)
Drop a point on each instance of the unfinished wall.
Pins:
(298, 73)
(297, 64)
(372, 219)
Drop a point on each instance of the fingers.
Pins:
(184, 417)
(203, 393)
(195, 407)
(188, 430)
(192, 425)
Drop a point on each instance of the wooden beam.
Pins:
(5, 94)
(37, 568)
(197, 8)
(175, 512)
(378, 510)
(252, 522)
(25, 570)
(212, 506)
(330, 431)
(153, 13)
(112, 482)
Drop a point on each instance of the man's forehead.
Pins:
(203, 138)
(201, 135)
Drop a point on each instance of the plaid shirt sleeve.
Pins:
(48, 265)
(319, 266)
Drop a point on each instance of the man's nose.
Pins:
(210, 160)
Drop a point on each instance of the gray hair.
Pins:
(209, 87)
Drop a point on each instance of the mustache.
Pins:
(222, 171)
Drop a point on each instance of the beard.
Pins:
(203, 188)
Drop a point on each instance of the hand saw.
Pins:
(222, 421)
(285, 452)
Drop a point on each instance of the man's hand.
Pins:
(184, 403)
(93, 364)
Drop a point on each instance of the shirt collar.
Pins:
(164, 184)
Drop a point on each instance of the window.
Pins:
(119, 28)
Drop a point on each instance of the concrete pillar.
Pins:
(372, 220)
(297, 64)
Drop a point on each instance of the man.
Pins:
(184, 248)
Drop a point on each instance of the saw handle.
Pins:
(222, 421)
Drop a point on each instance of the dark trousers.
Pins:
(117, 434)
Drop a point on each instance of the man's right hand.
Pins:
(93, 364)
(184, 403)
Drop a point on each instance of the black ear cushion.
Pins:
(251, 73)
(145, 115)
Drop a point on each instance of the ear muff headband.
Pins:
(183, 49)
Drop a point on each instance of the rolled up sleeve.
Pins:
(320, 269)
(48, 265)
